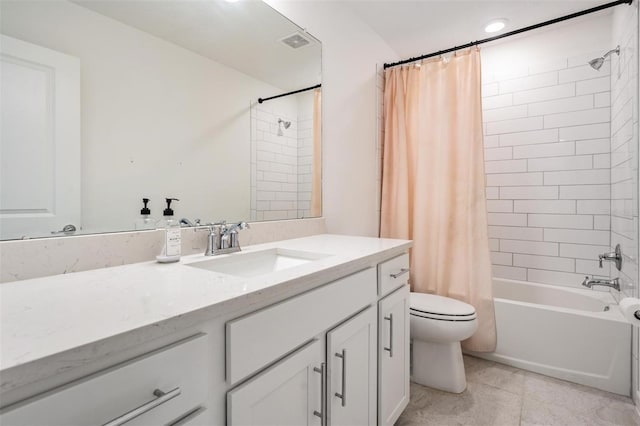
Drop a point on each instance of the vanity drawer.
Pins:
(393, 273)
(180, 371)
(260, 338)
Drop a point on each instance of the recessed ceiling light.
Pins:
(231, 1)
(495, 25)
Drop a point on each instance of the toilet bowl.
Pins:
(438, 324)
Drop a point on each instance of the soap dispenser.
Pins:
(172, 237)
(145, 221)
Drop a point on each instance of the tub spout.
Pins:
(613, 283)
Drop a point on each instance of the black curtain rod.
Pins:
(261, 100)
(521, 30)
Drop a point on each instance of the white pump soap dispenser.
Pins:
(172, 241)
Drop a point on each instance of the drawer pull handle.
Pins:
(161, 398)
(402, 272)
(343, 394)
(323, 397)
(390, 348)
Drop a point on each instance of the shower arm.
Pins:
(616, 50)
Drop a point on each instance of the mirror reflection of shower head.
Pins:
(597, 63)
(281, 123)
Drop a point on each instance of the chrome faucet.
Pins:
(614, 283)
(223, 238)
(229, 238)
(614, 256)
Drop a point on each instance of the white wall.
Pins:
(157, 120)
(547, 123)
(350, 50)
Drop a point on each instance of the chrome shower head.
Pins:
(597, 63)
(281, 123)
(286, 124)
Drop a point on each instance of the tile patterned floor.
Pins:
(499, 395)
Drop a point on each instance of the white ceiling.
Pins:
(244, 35)
(414, 28)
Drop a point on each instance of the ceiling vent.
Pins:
(295, 40)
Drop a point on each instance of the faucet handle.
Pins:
(615, 256)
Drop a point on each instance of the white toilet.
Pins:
(438, 324)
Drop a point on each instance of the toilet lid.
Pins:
(431, 304)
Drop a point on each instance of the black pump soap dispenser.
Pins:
(172, 243)
(145, 221)
(169, 211)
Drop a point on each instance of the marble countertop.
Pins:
(53, 316)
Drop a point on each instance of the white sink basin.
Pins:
(252, 264)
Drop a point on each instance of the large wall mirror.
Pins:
(106, 102)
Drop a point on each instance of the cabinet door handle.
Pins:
(343, 394)
(402, 272)
(390, 348)
(161, 398)
(323, 397)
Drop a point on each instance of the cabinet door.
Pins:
(393, 356)
(351, 374)
(288, 393)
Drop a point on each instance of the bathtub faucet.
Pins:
(614, 283)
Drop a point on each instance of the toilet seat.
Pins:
(437, 317)
(440, 308)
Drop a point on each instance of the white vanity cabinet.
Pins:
(393, 355)
(351, 371)
(167, 386)
(337, 355)
(328, 347)
(330, 380)
(393, 339)
(314, 387)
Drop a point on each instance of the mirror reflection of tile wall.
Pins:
(282, 158)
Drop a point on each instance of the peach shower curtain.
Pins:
(433, 182)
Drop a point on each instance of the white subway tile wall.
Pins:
(624, 149)
(281, 166)
(624, 163)
(274, 165)
(548, 177)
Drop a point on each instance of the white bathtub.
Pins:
(562, 332)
